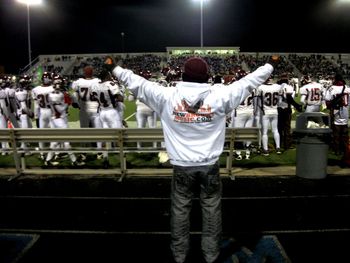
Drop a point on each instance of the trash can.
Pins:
(312, 135)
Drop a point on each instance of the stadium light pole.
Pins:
(122, 35)
(29, 3)
(201, 22)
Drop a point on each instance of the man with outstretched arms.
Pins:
(193, 117)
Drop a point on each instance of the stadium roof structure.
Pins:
(203, 50)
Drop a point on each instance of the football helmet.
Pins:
(57, 82)
(305, 80)
(24, 81)
(46, 78)
(240, 74)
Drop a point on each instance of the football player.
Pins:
(270, 95)
(311, 94)
(243, 116)
(56, 100)
(3, 111)
(11, 109)
(87, 104)
(108, 95)
(42, 108)
(312, 97)
(23, 102)
(83, 99)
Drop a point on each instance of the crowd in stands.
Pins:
(220, 64)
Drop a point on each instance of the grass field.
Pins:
(151, 160)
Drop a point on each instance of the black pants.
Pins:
(284, 127)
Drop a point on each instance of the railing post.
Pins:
(122, 160)
(16, 156)
(230, 154)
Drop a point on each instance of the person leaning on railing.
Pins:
(193, 115)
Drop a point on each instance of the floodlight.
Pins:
(30, 2)
(201, 5)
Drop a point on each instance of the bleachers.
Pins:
(299, 64)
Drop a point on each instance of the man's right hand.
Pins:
(273, 60)
(109, 63)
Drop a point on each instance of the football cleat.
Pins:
(50, 163)
(265, 153)
(78, 163)
(239, 157)
(105, 163)
(82, 157)
(99, 156)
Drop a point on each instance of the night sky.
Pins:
(76, 26)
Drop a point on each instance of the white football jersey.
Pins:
(58, 105)
(247, 106)
(22, 100)
(105, 94)
(287, 89)
(270, 95)
(82, 93)
(341, 116)
(312, 94)
(40, 95)
(3, 101)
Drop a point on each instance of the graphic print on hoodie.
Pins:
(193, 110)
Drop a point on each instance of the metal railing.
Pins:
(123, 141)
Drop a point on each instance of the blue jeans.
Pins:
(184, 182)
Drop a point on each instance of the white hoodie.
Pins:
(193, 115)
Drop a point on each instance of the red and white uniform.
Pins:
(341, 115)
(11, 107)
(270, 96)
(42, 108)
(244, 116)
(105, 93)
(87, 103)
(23, 108)
(3, 117)
(59, 107)
(311, 95)
(144, 115)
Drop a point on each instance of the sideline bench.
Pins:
(123, 141)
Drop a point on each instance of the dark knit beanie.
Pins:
(88, 71)
(195, 70)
